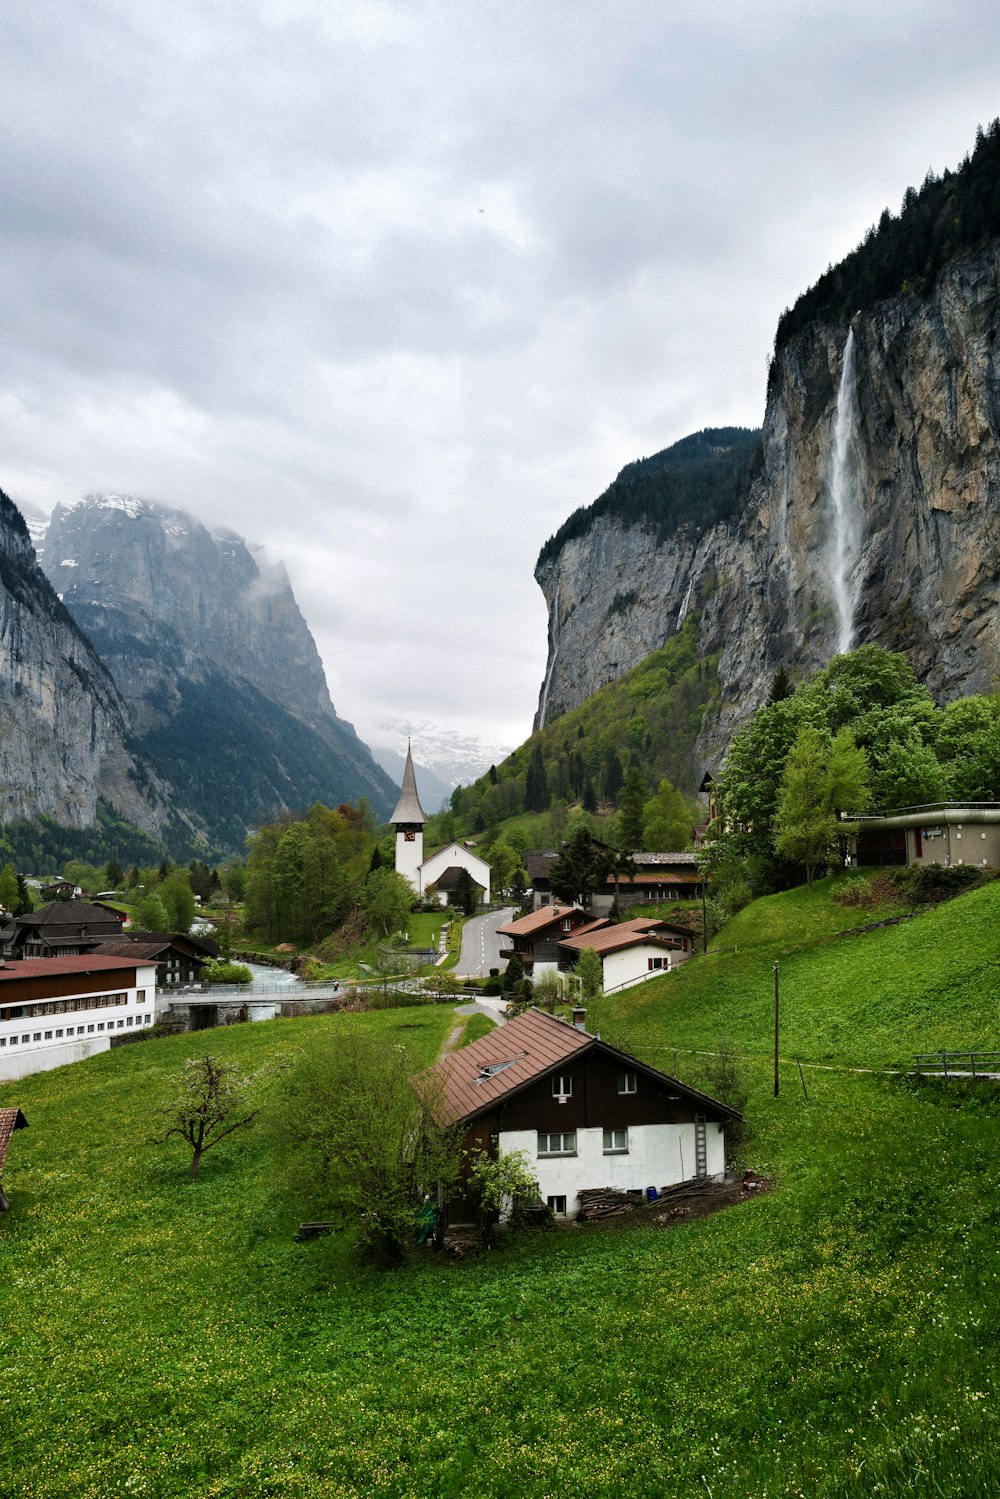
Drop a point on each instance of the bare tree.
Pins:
(210, 1105)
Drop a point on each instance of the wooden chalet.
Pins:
(65, 928)
(656, 877)
(630, 951)
(179, 958)
(10, 1120)
(587, 1115)
(535, 938)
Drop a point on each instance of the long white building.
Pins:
(59, 1010)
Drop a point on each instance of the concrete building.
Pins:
(59, 1010)
(941, 833)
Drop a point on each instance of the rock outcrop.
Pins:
(65, 737)
(925, 492)
(224, 685)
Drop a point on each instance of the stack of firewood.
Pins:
(604, 1202)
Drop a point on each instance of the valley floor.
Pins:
(835, 1337)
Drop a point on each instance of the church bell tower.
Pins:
(409, 818)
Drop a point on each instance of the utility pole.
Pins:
(704, 917)
(775, 1030)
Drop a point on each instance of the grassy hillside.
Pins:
(834, 1337)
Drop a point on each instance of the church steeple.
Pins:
(409, 818)
(408, 808)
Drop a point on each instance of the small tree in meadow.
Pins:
(211, 1104)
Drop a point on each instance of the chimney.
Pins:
(578, 1017)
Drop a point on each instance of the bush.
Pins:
(226, 973)
(924, 884)
(878, 890)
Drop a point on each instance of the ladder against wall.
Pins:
(700, 1147)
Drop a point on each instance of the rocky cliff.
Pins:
(892, 538)
(208, 647)
(65, 738)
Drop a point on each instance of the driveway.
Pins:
(481, 945)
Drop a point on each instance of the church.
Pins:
(442, 869)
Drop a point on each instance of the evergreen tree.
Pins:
(536, 790)
(633, 799)
(576, 873)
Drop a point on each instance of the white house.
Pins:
(586, 1114)
(59, 1010)
(442, 867)
(632, 951)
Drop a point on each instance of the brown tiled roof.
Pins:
(523, 1049)
(536, 920)
(139, 952)
(10, 1120)
(667, 877)
(38, 968)
(70, 913)
(625, 934)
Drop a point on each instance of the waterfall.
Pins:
(543, 706)
(682, 616)
(845, 542)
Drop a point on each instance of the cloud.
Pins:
(393, 287)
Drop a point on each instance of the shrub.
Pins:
(226, 973)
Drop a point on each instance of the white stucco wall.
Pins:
(21, 1054)
(455, 855)
(632, 965)
(409, 857)
(659, 1155)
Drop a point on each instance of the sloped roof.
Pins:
(472, 1080)
(535, 921)
(644, 859)
(83, 964)
(408, 808)
(138, 952)
(520, 1051)
(625, 934)
(10, 1120)
(69, 913)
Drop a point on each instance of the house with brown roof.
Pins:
(586, 1114)
(10, 1120)
(63, 929)
(656, 877)
(59, 1010)
(179, 958)
(631, 951)
(535, 938)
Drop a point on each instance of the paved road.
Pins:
(481, 945)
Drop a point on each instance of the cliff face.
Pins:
(918, 533)
(208, 647)
(65, 738)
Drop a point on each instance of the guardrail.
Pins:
(957, 1063)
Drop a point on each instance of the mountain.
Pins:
(224, 685)
(66, 744)
(869, 512)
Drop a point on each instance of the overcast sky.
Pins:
(393, 287)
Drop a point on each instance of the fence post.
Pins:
(972, 1058)
(944, 1063)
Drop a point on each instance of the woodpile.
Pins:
(461, 1242)
(604, 1202)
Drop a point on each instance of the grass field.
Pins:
(835, 1337)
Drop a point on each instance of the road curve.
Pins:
(481, 945)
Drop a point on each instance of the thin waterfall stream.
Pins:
(845, 541)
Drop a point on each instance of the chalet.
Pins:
(941, 833)
(179, 959)
(59, 1010)
(63, 929)
(535, 938)
(10, 1120)
(586, 1114)
(631, 951)
(655, 878)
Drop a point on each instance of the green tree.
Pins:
(630, 815)
(513, 975)
(113, 874)
(536, 791)
(822, 777)
(150, 915)
(501, 1183)
(547, 990)
(361, 1141)
(667, 820)
(211, 1103)
(178, 902)
(9, 893)
(234, 880)
(575, 874)
(589, 969)
(386, 900)
(467, 893)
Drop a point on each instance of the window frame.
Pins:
(609, 1145)
(555, 1134)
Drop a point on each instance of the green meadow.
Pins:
(834, 1337)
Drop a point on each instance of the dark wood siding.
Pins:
(595, 1100)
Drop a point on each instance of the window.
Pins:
(567, 924)
(627, 1082)
(140, 996)
(3, 1040)
(562, 1087)
(37, 1036)
(130, 1020)
(557, 1205)
(563, 1143)
(616, 1142)
(58, 1035)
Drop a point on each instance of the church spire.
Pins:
(408, 809)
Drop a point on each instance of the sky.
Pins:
(392, 288)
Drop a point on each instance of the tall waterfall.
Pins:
(845, 541)
(682, 613)
(543, 706)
